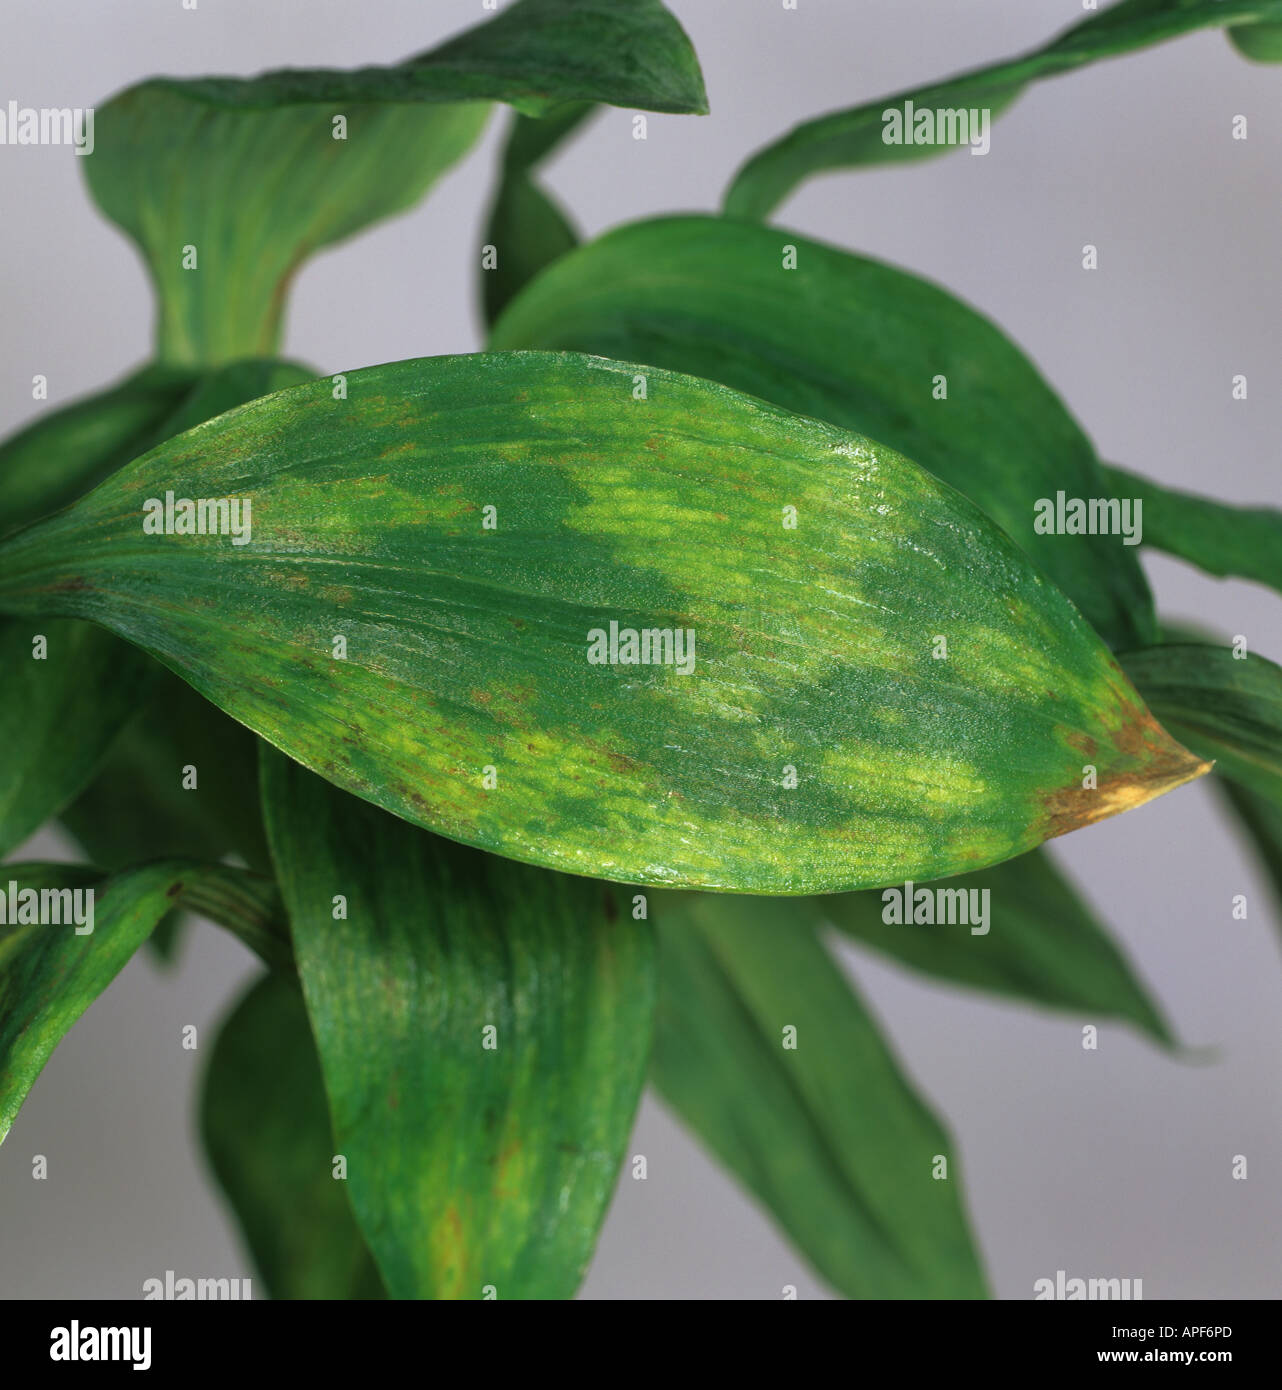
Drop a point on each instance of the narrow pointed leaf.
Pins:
(265, 1124)
(1236, 542)
(1227, 709)
(827, 1133)
(483, 1030)
(227, 185)
(856, 343)
(854, 137)
(526, 228)
(465, 699)
(1042, 945)
(50, 972)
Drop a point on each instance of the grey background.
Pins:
(1112, 1163)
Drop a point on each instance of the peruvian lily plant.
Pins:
(535, 714)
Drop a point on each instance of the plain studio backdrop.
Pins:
(1116, 1162)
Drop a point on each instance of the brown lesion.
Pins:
(1153, 762)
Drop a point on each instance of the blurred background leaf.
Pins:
(1043, 946)
(823, 1127)
(1242, 542)
(50, 974)
(853, 138)
(526, 227)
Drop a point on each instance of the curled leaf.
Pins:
(227, 185)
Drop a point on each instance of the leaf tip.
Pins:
(1151, 763)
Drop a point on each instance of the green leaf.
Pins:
(526, 228)
(63, 454)
(483, 1031)
(1262, 43)
(51, 971)
(137, 806)
(1225, 708)
(1229, 709)
(466, 702)
(227, 185)
(829, 1134)
(856, 343)
(61, 704)
(1042, 946)
(1237, 542)
(854, 137)
(265, 1124)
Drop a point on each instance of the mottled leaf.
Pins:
(1237, 542)
(483, 1030)
(1041, 945)
(227, 185)
(463, 697)
(265, 1123)
(819, 1123)
(51, 970)
(856, 343)
(854, 137)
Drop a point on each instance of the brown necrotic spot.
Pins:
(1149, 763)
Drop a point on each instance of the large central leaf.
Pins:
(885, 689)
